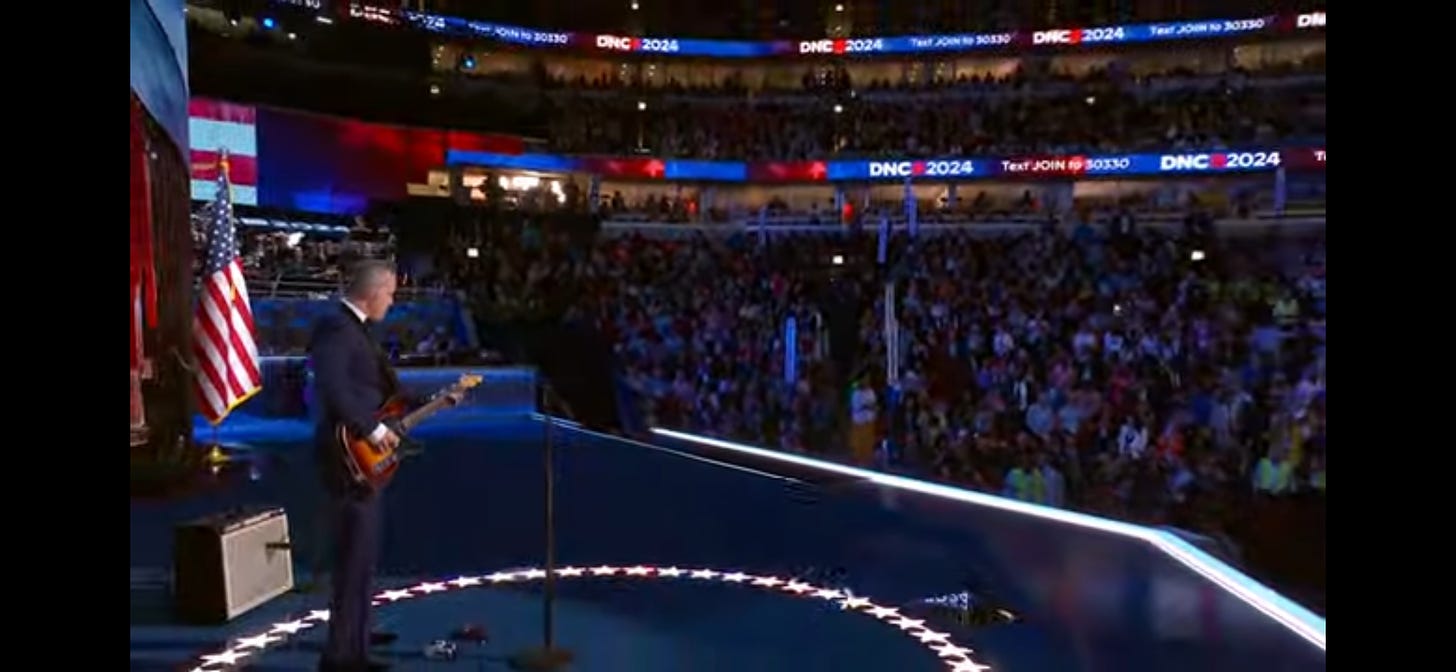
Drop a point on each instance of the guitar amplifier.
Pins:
(230, 563)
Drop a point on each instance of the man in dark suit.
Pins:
(353, 378)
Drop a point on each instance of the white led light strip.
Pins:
(243, 650)
(1282, 610)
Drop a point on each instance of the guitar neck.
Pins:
(408, 422)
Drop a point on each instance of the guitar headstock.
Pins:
(468, 381)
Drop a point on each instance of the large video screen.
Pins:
(316, 163)
(215, 127)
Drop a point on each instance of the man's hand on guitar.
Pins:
(456, 396)
(386, 440)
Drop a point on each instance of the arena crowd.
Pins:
(1148, 374)
(981, 116)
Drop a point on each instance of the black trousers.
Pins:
(357, 526)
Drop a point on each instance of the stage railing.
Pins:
(1032, 539)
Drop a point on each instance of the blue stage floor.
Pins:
(683, 564)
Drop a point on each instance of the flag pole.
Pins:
(223, 256)
(214, 451)
(548, 657)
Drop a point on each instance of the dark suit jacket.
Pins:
(352, 379)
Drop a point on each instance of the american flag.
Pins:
(222, 329)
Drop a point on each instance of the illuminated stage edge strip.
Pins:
(1286, 612)
(956, 658)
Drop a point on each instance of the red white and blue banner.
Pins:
(316, 163)
(948, 169)
(1068, 37)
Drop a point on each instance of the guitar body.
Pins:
(368, 464)
(372, 466)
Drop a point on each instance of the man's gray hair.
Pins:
(365, 275)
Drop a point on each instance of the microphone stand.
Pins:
(547, 657)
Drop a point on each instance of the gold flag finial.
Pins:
(222, 164)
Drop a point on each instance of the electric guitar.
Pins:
(374, 466)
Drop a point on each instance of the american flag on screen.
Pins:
(214, 126)
(222, 329)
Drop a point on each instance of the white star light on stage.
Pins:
(797, 588)
(256, 642)
(229, 657)
(967, 665)
(393, 595)
(957, 658)
(289, 628)
(931, 636)
(884, 613)
(949, 650)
